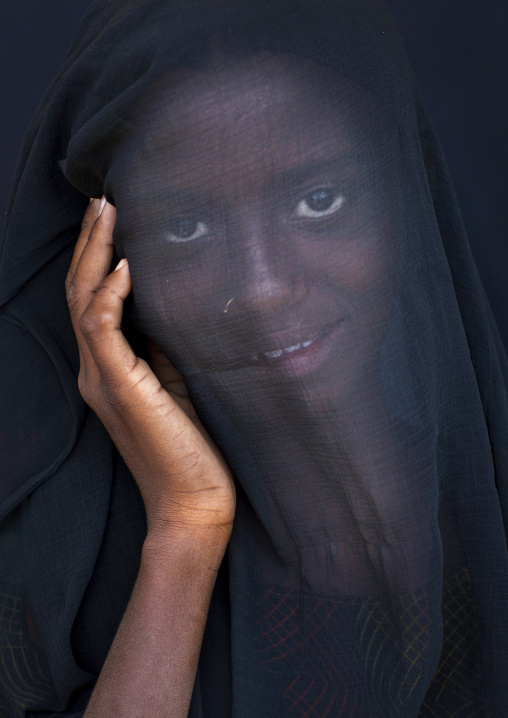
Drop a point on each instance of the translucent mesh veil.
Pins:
(296, 250)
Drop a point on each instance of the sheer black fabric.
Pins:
(296, 250)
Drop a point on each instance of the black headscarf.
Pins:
(296, 250)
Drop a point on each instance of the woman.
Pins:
(295, 252)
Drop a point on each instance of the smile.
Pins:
(288, 350)
(297, 357)
(303, 357)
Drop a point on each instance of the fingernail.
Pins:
(120, 264)
(101, 206)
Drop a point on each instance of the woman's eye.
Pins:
(185, 229)
(319, 203)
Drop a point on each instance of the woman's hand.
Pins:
(184, 481)
(186, 486)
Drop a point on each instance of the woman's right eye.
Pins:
(185, 229)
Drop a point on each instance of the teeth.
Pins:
(275, 354)
(287, 350)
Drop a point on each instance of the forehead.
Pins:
(272, 108)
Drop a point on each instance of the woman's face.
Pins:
(252, 214)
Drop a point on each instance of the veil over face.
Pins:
(251, 182)
(296, 251)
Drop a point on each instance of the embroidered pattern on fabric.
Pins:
(23, 682)
(326, 664)
(454, 690)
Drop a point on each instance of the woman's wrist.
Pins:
(196, 546)
(151, 666)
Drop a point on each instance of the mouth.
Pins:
(301, 357)
(277, 353)
(276, 356)
(298, 357)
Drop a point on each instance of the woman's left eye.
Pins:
(319, 203)
(185, 229)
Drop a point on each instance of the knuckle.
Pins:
(94, 395)
(71, 291)
(110, 291)
(92, 323)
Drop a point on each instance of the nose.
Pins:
(270, 278)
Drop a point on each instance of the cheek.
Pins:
(171, 296)
(358, 267)
(362, 275)
(361, 272)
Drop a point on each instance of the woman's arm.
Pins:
(186, 487)
(152, 663)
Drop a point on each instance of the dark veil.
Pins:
(296, 250)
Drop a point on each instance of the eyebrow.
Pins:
(317, 165)
(291, 177)
(313, 167)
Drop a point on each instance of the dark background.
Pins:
(458, 49)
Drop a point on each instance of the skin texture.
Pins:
(186, 487)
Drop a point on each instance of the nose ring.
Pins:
(226, 309)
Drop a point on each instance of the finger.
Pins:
(170, 379)
(93, 211)
(94, 262)
(162, 367)
(100, 325)
(92, 266)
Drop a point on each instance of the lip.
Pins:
(293, 356)
(305, 356)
